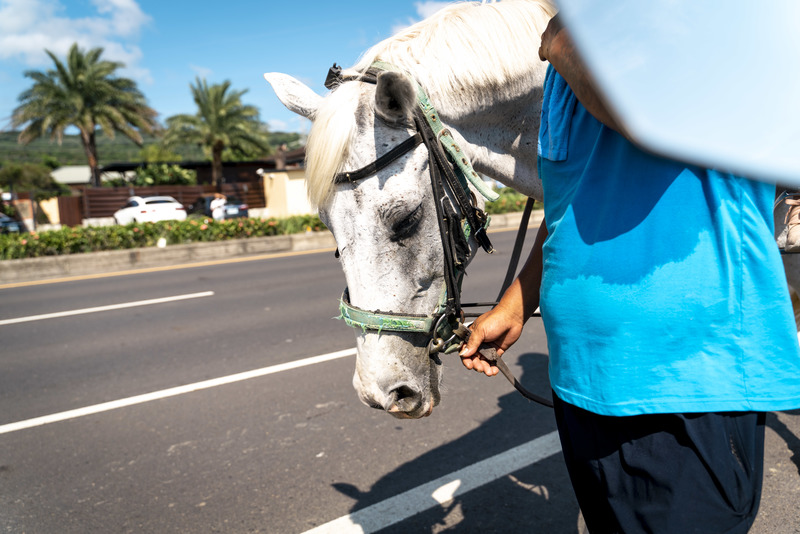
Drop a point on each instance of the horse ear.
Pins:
(394, 98)
(294, 94)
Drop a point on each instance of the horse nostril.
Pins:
(404, 392)
(404, 399)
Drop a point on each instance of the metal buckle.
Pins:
(439, 344)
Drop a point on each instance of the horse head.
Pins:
(386, 228)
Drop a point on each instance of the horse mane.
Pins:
(467, 48)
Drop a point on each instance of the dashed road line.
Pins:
(96, 309)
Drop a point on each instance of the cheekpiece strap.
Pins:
(444, 136)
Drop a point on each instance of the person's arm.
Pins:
(503, 324)
(558, 48)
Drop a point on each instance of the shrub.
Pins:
(157, 174)
(510, 201)
(76, 240)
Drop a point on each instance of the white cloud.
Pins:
(202, 72)
(28, 27)
(424, 10)
(277, 125)
(125, 16)
(294, 123)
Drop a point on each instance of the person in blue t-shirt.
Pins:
(667, 314)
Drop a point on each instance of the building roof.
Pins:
(72, 175)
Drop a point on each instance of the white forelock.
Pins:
(329, 139)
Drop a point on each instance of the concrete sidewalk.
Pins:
(51, 267)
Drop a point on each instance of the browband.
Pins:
(380, 163)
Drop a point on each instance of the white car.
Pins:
(150, 209)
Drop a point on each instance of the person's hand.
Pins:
(553, 29)
(500, 327)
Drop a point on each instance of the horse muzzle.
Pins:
(409, 398)
(405, 402)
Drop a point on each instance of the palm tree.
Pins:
(222, 124)
(86, 94)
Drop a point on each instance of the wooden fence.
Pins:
(70, 210)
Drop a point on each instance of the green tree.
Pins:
(164, 174)
(158, 153)
(223, 126)
(82, 92)
(31, 177)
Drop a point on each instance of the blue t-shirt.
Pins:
(663, 289)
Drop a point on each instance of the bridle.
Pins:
(445, 177)
(450, 172)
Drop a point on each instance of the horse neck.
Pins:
(498, 128)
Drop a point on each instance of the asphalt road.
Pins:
(281, 450)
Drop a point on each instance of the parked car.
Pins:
(233, 207)
(9, 225)
(150, 209)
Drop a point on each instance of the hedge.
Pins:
(96, 238)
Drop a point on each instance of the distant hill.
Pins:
(117, 150)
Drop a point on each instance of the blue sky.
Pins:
(165, 44)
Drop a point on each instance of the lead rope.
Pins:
(488, 351)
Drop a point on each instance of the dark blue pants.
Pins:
(664, 473)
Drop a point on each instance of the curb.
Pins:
(91, 263)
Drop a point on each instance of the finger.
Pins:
(469, 348)
(479, 364)
(488, 369)
(474, 363)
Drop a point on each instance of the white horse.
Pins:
(478, 65)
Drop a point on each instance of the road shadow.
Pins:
(538, 497)
(792, 441)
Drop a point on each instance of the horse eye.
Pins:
(406, 226)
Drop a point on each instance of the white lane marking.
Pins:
(164, 393)
(395, 509)
(105, 308)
